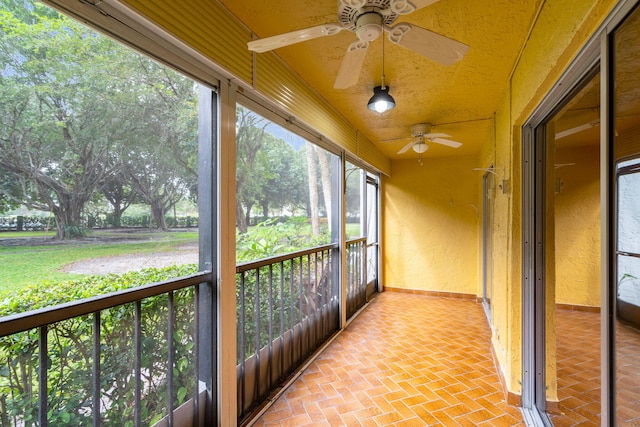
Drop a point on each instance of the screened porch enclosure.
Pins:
(144, 347)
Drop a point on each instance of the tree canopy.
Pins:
(78, 110)
(85, 120)
(270, 173)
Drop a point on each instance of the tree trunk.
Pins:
(248, 214)
(117, 216)
(241, 219)
(67, 214)
(158, 215)
(313, 189)
(325, 175)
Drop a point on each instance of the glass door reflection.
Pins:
(625, 286)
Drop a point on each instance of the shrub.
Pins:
(69, 355)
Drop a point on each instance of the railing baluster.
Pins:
(300, 300)
(258, 329)
(138, 364)
(45, 320)
(301, 286)
(326, 264)
(282, 310)
(170, 359)
(321, 294)
(363, 271)
(309, 303)
(359, 268)
(270, 327)
(316, 301)
(349, 279)
(291, 307)
(43, 360)
(96, 369)
(242, 346)
(196, 356)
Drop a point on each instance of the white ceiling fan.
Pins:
(420, 135)
(577, 129)
(368, 19)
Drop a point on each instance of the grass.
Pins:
(22, 234)
(25, 265)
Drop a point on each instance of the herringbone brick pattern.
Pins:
(578, 364)
(627, 375)
(407, 360)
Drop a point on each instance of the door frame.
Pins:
(596, 54)
(488, 200)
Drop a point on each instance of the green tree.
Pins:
(160, 160)
(120, 196)
(10, 191)
(77, 109)
(283, 187)
(53, 138)
(250, 137)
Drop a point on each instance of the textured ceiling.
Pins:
(459, 100)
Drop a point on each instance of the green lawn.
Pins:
(23, 234)
(24, 265)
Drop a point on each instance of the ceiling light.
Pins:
(420, 147)
(381, 101)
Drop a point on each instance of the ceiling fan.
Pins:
(577, 129)
(368, 19)
(420, 135)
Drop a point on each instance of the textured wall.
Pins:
(419, 254)
(577, 218)
(431, 225)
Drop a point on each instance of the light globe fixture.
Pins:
(420, 147)
(381, 101)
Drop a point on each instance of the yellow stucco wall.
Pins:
(555, 40)
(577, 219)
(431, 225)
(416, 211)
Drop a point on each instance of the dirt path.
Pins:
(131, 262)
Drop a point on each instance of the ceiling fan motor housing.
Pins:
(420, 129)
(349, 15)
(369, 26)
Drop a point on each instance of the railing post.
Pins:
(96, 369)
(208, 227)
(226, 256)
(43, 394)
(338, 216)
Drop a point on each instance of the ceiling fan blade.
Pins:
(427, 43)
(577, 129)
(447, 142)
(410, 138)
(405, 7)
(406, 147)
(436, 135)
(351, 65)
(286, 39)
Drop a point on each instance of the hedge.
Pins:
(70, 358)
